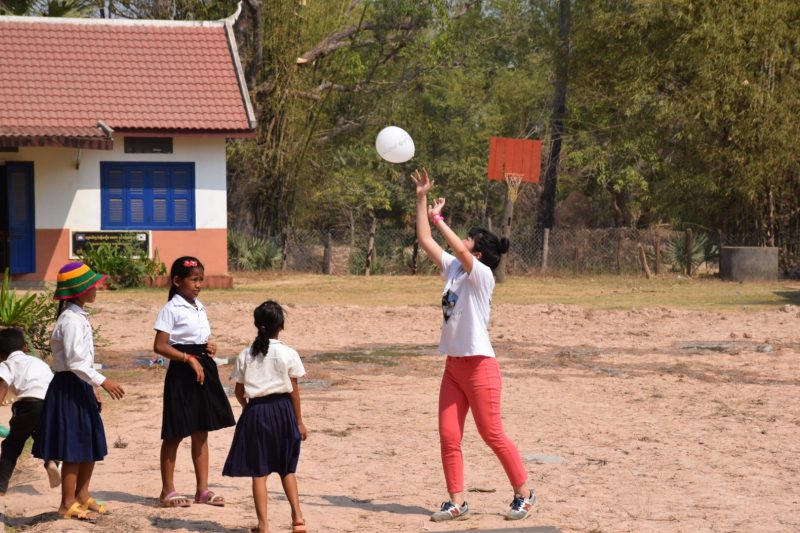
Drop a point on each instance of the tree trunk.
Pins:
(327, 254)
(505, 231)
(548, 199)
(414, 258)
(689, 252)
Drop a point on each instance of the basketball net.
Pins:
(513, 182)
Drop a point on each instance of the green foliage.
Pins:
(33, 312)
(357, 263)
(123, 264)
(248, 252)
(675, 251)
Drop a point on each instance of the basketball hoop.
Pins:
(513, 182)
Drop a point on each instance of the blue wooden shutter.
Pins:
(21, 217)
(138, 196)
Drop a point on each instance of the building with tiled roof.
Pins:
(115, 129)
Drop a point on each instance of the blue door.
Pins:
(21, 217)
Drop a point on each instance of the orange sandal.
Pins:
(300, 527)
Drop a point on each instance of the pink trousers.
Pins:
(474, 383)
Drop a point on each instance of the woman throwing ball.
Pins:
(471, 377)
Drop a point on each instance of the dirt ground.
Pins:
(655, 420)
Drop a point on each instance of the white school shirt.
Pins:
(466, 306)
(73, 346)
(185, 323)
(270, 374)
(27, 376)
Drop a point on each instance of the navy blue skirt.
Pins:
(70, 428)
(190, 407)
(266, 439)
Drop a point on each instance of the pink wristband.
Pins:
(436, 219)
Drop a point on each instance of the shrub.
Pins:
(703, 249)
(33, 312)
(248, 252)
(122, 264)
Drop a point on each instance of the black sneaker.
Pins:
(521, 507)
(451, 511)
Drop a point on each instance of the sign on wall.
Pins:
(138, 240)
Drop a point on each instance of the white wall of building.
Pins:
(67, 197)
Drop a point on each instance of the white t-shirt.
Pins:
(185, 323)
(27, 376)
(270, 374)
(466, 305)
(73, 346)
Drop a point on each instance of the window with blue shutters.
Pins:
(147, 196)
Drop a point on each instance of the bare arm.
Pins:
(460, 250)
(424, 237)
(295, 395)
(3, 390)
(239, 392)
(425, 213)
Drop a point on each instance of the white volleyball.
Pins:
(394, 144)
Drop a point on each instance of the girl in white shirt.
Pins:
(270, 429)
(70, 428)
(194, 400)
(471, 379)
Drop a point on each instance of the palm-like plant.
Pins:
(32, 312)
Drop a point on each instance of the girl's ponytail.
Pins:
(261, 344)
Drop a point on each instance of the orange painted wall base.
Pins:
(208, 245)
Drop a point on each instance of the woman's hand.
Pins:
(113, 389)
(436, 209)
(303, 431)
(211, 347)
(198, 369)
(422, 181)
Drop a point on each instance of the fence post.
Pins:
(657, 247)
(618, 251)
(371, 244)
(414, 257)
(327, 254)
(643, 259)
(689, 252)
(285, 246)
(545, 248)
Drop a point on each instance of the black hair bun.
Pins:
(504, 244)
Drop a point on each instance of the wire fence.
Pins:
(621, 251)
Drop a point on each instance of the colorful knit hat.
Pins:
(75, 280)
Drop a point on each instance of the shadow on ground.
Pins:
(191, 525)
(532, 529)
(367, 505)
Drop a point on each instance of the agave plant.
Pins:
(34, 313)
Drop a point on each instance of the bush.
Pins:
(247, 252)
(122, 264)
(33, 312)
(703, 250)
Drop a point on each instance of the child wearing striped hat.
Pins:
(70, 428)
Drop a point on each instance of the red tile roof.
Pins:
(59, 77)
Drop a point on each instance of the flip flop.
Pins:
(300, 527)
(209, 498)
(76, 512)
(173, 499)
(101, 506)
